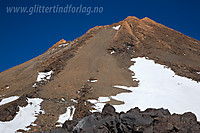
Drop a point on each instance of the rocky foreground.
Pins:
(133, 121)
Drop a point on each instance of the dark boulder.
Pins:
(133, 121)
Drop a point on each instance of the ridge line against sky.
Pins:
(24, 36)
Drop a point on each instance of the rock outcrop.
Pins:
(9, 111)
(133, 121)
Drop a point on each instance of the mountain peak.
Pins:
(81, 75)
(132, 17)
(135, 18)
(149, 20)
(146, 18)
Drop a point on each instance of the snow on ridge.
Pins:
(25, 117)
(198, 72)
(63, 45)
(8, 100)
(68, 115)
(116, 27)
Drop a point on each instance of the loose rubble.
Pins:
(134, 120)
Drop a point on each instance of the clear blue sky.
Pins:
(23, 36)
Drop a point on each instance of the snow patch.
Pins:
(159, 87)
(198, 72)
(26, 116)
(93, 80)
(8, 100)
(74, 101)
(116, 27)
(63, 45)
(32, 124)
(34, 85)
(68, 115)
(43, 76)
(99, 104)
(112, 52)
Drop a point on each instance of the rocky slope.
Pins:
(133, 121)
(102, 54)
